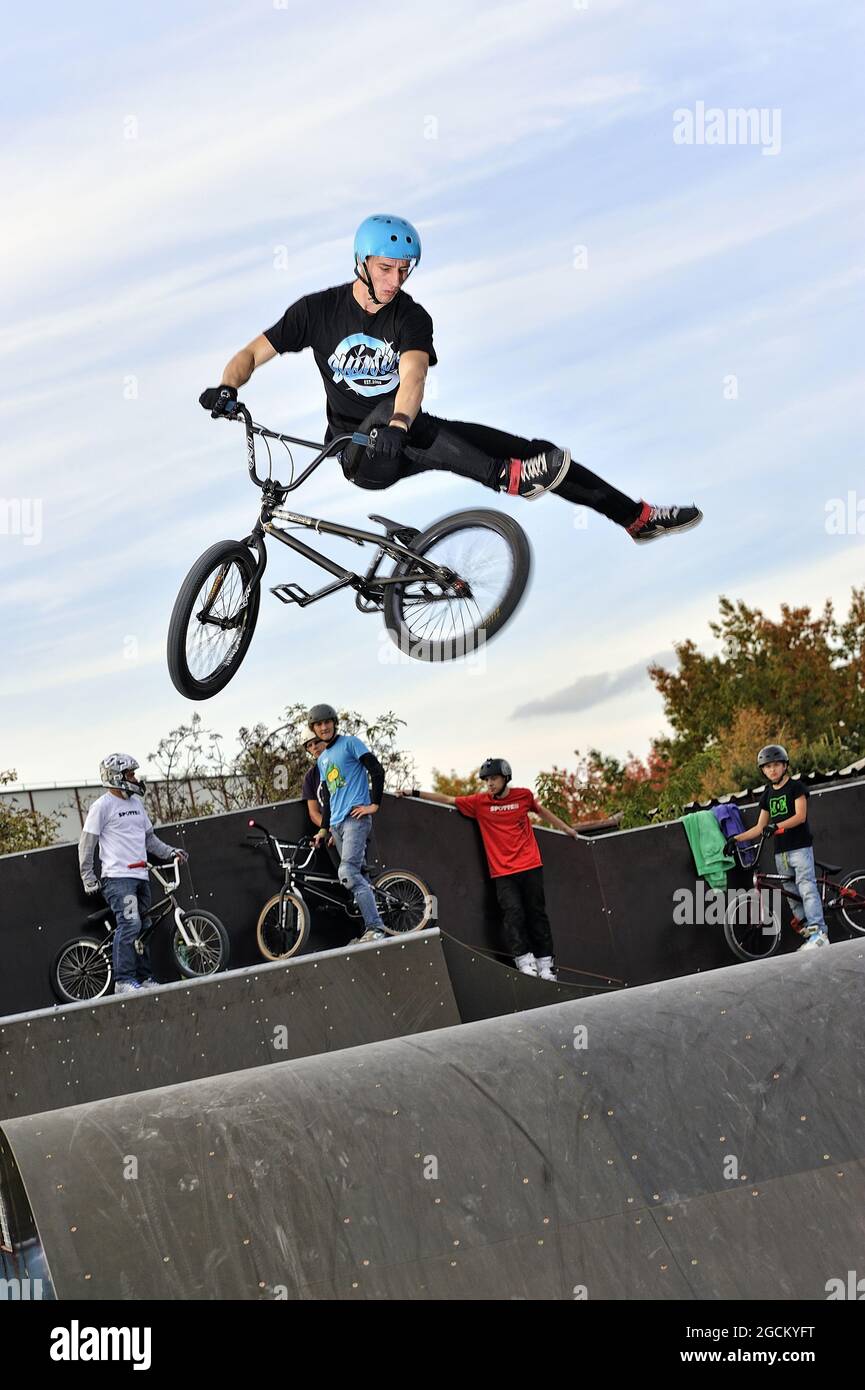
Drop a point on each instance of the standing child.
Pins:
(118, 825)
(513, 860)
(784, 811)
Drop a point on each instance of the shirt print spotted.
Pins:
(366, 365)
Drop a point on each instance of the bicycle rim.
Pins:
(853, 909)
(210, 649)
(439, 620)
(205, 955)
(83, 972)
(752, 933)
(282, 930)
(403, 903)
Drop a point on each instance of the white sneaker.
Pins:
(127, 987)
(546, 969)
(527, 965)
(373, 934)
(816, 938)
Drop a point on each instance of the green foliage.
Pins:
(21, 828)
(799, 681)
(452, 784)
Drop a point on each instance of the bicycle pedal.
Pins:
(289, 593)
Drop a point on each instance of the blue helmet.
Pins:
(383, 235)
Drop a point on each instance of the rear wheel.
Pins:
(209, 947)
(485, 561)
(213, 620)
(404, 902)
(283, 926)
(753, 932)
(81, 970)
(852, 903)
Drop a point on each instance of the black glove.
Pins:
(218, 400)
(388, 443)
(771, 829)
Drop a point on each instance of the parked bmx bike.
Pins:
(752, 926)
(404, 902)
(82, 969)
(451, 588)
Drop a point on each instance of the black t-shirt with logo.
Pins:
(357, 353)
(781, 805)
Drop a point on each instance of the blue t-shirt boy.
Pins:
(344, 776)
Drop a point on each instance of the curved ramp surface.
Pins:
(700, 1138)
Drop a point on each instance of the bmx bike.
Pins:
(404, 902)
(453, 586)
(752, 925)
(83, 970)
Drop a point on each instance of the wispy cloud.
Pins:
(588, 691)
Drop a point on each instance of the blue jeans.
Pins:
(350, 838)
(797, 867)
(129, 900)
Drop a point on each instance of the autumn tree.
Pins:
(21, 828)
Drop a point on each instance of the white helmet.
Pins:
(113, 773)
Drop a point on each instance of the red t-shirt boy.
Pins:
(514, 861)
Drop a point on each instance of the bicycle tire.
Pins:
(99, 975)
(397, 600)
(267, 927)
(857, 876)
(217, 947)
(219, 555)
(750, 934)
(412, 909)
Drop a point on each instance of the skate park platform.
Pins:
(697, 1138)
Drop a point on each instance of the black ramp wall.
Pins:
(611, 898)
(652, 1144)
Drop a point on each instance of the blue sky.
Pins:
(157, 165)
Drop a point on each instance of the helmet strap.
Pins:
(365, 278)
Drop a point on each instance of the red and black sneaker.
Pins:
(531, 478)
(655, 522)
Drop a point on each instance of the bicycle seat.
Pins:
(828, 868)
(102, 915)
(395, 528)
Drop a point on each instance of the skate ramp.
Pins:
(700, 1138)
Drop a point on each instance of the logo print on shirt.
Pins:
(366, 365)
(778, 805)
(334, 778)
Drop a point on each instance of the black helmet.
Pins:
(496, 767)
(319, 713)
(772, 753)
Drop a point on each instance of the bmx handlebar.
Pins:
(238, 411)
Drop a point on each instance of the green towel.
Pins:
(706, 839)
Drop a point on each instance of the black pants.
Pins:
(476, 452)
(525, 924)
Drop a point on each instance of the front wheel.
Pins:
(483, 561)
(81, 970)
(283, 926)
(404, 902)
(208, 949)
(213, 620)
(852, 904)
(752, 930)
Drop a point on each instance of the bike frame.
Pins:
(369, 586)
(296, 879)
(762, 879)
(158, 911)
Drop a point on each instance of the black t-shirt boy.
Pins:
(356, 353)
(780, 803)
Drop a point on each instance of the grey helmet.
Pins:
(772, 753)
(113, 772)
(496, 767)
(320, 712)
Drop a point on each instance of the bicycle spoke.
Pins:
(209, 646)
(482, 561)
